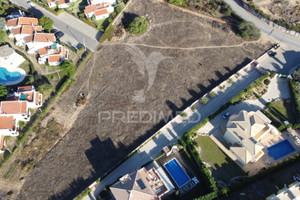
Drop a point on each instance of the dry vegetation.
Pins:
(197, 54)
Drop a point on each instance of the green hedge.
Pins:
(296, 96)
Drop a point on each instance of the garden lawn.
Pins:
(285, 109)
(223, 168)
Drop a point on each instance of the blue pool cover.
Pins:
(178, 174)
(281, 149)
(6, 76)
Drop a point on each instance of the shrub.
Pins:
(204, 100)
(137, 26)
(21, 124)
(2, 36)
(269, 105)
(108, 33)
(44, 88)
(230, 81)
(221, 87)
(272, 74)
(248, 30)
(46, 23)
(212, 94)
(183, 114)
(3, 91)
(193, 108)
(120, 7)
(181, 3)
(182, 142)
(267, 81)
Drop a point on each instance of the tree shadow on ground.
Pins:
(127, 18)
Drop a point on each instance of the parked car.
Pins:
(226, 115)
(58, 34)
(30, 3)
(272, 53)
(54, 31)
(276, 46)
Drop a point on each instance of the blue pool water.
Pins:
(280, 149)
(6, 76)
(178, 174)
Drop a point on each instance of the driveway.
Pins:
(76, 32)
(266, 29)
(285, 61)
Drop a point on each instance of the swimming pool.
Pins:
(177, 173)
(6, 76)
(281, 149)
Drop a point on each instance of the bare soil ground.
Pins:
(196, 54)
(286, 9)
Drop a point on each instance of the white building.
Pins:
(100, 11)
(96, 2)
(21, 21)
(27, 93)
(59, 3)
(54, 54)
(243, 133)
(39, 40)
(8, 127)
(18, 109)
(292, 192)
(19, 33)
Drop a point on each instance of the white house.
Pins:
(9, 58)
(20, 21)
(96, 2)
(19, 33)
(27, 93)
(59, 3)
(39, 40)
(243, 133)
(18, 109)
(100, 11)
(51, 3)
(8, 127)
(54, 54)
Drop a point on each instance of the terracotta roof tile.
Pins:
(44, 37)
(16, 30)
(30, 29)
(28, 21)
(37, 98)
(7, 122)
(50, 1)
(29, 38)
(54, 58)
(12, 22)
(43, 51)
(2, 141)
(62, 2)
(25, 88)
(13, 107)
(101, 12)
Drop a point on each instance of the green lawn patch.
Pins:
(285, 109)
(223, 167)
(25, 65)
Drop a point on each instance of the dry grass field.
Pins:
(73, 147)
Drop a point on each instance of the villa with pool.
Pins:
(10, 73)
(250, 140)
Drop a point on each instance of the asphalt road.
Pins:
(266, 29)
(76, 32)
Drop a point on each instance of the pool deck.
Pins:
(22, 77)
(265, 160)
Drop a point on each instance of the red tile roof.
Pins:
(54, 58)
(28, 21)
(12, 22)
(13, 107)
(40, 37)
(7, 122)
(101, 12)
(62, 2)
(2, 141)
(16, 30)
(49, 1)
(92, 8)
(25, 88)
(30, 29)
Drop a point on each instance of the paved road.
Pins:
(76, 32)
(266, 29)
